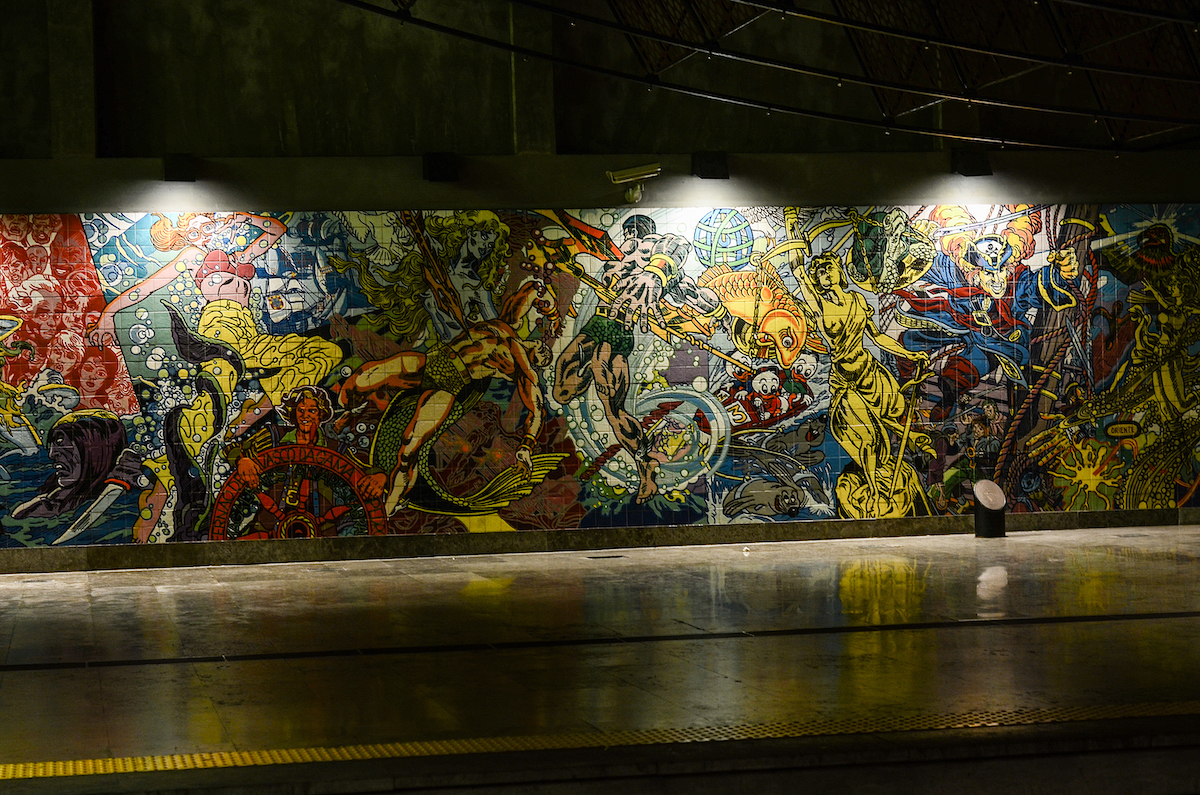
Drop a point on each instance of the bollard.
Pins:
(989, 509)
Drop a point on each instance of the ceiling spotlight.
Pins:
(439, 167)
(710, 165)
(970, 163)
(179, 167)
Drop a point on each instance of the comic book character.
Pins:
(91, 465)
(888, 251)
(763, 397)
(302, 503)
(439, 381)
(763, 319)
(424, 268)
(779, 484)
(866, 404)
(1157, 374)
(649, 273)
(977, 298)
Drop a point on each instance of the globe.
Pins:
(723, 237)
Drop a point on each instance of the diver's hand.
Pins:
(637, 301)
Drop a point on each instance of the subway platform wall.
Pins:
(689, 374)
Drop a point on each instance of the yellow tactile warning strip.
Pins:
(579, 740)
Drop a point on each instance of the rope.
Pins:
(1034, 391)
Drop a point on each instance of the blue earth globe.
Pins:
(723, 237)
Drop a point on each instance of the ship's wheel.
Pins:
(300, 468)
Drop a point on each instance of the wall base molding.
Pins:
(218, 553)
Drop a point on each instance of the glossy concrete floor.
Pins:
(1076, 648)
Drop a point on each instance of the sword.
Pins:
(1077, 344)
(101, 504)
(950, 230)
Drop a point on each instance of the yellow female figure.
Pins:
(223, 278)
(866, 403)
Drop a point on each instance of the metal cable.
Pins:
(1147, 13)
(767, 107)
(713, 49)
(941, 41)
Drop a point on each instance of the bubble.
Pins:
(361, 427)
(140, 333)
(183, 372)
(196, 437)
(700, 383)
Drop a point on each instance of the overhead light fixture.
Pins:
(178, 167)
(439, 167)
(710, 165)
(637, 175)
(970, 163)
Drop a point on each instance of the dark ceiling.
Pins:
(1047, 73)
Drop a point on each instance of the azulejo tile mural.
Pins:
(241, 375)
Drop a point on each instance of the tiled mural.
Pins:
(220, 376)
